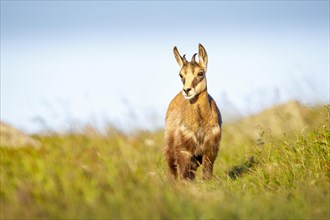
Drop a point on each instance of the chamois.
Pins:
(193, 121)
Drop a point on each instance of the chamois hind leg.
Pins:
(195, 162)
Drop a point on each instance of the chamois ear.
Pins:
(202, 55)
(180, 60)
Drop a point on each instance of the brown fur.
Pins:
(193, 122)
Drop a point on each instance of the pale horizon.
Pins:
(110, 62)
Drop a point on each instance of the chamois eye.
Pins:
(201, 74)
(180, 75)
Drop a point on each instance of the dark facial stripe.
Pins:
(196, 81)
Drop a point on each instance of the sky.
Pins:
(65, 64)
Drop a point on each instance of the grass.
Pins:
(118, 176)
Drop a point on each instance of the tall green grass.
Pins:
(120, 176)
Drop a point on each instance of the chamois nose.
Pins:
(187, 90)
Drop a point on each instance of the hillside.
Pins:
(284, 119)
(12, 137)
(273, 165)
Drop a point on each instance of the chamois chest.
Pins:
(198, 140)
(198, 130)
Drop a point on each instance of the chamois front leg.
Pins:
(184, 162)
(208, 161)
(171, 161)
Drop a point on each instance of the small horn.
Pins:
(184, 59)
(193, 58)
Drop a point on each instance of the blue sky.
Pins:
(64, 64)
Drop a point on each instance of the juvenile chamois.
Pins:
(193, 121)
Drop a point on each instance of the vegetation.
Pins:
(266, 169)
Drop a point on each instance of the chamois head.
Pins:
(192, 73)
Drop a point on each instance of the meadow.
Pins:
(273, 165)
